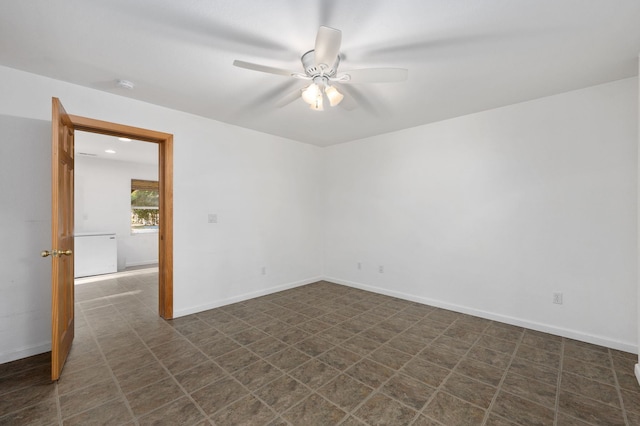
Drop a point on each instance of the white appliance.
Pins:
(95, 253)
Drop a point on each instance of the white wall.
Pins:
(637, 368)
(488, 213)
(265, 190)
(25, 226)
(492, 213)
(103, 204)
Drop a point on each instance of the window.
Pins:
(145, 213)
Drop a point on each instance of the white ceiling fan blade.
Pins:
(349, 102)
(375, 75)
(263, 68)
(353, 99)
(287, 99)
(327, 47)
(365, 98)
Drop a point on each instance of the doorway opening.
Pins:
(63, 127)
(116, 218)
(164, 144)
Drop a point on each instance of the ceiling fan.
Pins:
(320, 66)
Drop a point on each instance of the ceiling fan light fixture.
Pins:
(311, 93)
(317, 104)
(334, 96)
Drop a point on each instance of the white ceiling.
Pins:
(94, 145)
(463, 56)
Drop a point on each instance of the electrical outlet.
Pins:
(264, 270)
(213, 218)
(359, 265)
(557, 298)
(381, 269)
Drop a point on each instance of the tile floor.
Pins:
(321, 354)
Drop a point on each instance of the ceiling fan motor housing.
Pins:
(313, 70)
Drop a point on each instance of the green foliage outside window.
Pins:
(144, 198)
(145, 214)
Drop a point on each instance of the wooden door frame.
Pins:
(165, 178)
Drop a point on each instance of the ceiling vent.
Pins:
(125, 84)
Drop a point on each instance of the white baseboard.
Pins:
(25, 352)
(520, 322)
(242, 297)
(145, 262)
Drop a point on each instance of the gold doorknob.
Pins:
(56, 253)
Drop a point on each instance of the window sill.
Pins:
(145, 231)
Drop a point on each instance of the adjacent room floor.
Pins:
(321, 354)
